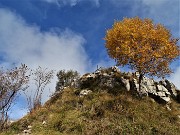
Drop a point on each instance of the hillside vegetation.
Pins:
(100, 113)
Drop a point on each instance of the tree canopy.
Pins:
(142, 45)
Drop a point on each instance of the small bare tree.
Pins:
(11, 82)
(41, 78)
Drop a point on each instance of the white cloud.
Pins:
(23, 43)
(165, 12)
(153, 2)
(63, 2)
(71, 2)
(96, 2)
(175, 77)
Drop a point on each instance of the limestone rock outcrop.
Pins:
(84, 92)
(112, 78)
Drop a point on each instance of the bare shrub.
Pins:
(11, 82)
(41, 78)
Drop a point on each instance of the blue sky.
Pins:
(68, 34)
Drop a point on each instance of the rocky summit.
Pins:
(112, 78)
(105, 102)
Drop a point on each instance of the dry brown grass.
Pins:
(101, 113)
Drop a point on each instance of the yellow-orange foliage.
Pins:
(144, 46)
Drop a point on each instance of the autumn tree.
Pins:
(142, 45)
(11, 82)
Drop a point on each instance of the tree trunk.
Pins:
(140, 80)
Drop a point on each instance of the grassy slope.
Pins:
(100, 113)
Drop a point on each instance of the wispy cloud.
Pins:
(165, 12)
(175, 78)
(63, 2)
(56, 49)
(71, 2)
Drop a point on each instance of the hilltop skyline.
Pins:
(68, 34)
